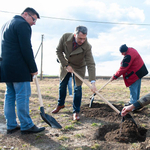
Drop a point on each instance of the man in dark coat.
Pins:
(133, 69)
(17, 70)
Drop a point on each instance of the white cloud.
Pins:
(106, 40)
(107, 68)
(114, 12)
(109, 43)
(133, 36)
(135, 14)
(147, 2)
(106, 43)
(50, 65)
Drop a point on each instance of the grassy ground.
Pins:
(73, 135)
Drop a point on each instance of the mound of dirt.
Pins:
(101, 111)
(126, 131)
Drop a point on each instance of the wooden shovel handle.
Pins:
(106, 101)
(104, 85)
(38, 90)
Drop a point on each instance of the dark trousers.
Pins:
(63, 92)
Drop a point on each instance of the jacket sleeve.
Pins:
(143, 101)
(90, 64)
(125, 65)
(24, 37)
(59, 52)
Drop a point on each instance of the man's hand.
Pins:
(112, 78)
(93, 87)
(69, 69)
(127, 109)
(35, 73)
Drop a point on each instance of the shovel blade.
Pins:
(92, 99)
(91, 102)
(129, 117)
(49, 119)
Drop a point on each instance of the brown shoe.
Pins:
(76, 116)
(56, 110)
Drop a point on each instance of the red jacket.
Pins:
(132, 67)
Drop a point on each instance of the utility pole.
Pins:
(41, 75)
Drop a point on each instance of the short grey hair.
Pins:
(81, 29)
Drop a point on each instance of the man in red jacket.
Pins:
(133, 69)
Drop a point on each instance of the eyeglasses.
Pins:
(34, 20)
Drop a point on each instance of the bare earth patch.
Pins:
(125, 131)
(100, 127)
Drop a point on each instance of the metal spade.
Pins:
(47, 118)
(92, 97)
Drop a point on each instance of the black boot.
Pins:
(34, 129)
(10, 131)
(127, 104)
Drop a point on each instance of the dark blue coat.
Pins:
(17, 55)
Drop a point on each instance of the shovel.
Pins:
(128, 116)
(92, 97)
(47, 118)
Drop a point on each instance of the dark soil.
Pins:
(99, 127)
(118, 129)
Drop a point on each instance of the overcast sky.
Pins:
(108, 22)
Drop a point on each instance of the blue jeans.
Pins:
(70, 85)
(19, 92)
(77, 93)
(135, 91)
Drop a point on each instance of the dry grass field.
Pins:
(73, 135)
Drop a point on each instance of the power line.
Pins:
(102, 22)
(8, 12)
